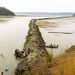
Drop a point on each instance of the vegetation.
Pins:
(38, 62)
(6, 12)
(64, 64)
(61, 65)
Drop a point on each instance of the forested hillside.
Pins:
(6, 12)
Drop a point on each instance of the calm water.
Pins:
(45, 14)
(12, 36)
(63, 34)
(13, 33)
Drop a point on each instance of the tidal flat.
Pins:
(5, 18)
(13, 34)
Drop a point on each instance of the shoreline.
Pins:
(41, 20)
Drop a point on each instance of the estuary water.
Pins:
(13, 33)
(12, 36)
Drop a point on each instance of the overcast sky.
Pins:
(39, 5)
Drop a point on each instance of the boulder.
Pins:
(18, 53)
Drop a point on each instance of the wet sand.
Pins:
(61, 32)
(46, 24)
(5, 18)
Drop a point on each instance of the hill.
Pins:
(6, 12)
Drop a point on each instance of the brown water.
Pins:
(13, 33)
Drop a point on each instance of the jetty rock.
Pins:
(34, 42)
(18, 53)
(34, 50)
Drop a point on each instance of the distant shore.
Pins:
(6, 18)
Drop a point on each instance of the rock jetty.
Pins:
(34, 50)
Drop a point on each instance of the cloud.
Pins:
(39, 5)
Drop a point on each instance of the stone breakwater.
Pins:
(34, 50)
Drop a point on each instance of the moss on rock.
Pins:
(6, 12)
(34, 50)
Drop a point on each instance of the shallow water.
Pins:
(12, 36)
(63, 34)
(13, 33)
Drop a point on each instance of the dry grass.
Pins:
(64, 65)
(5, 18)
(61, 65)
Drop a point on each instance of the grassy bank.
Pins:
(36, 60)
(64, 64)
(61, 65)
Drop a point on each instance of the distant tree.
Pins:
(6, 12)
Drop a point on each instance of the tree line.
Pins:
(6, 12)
